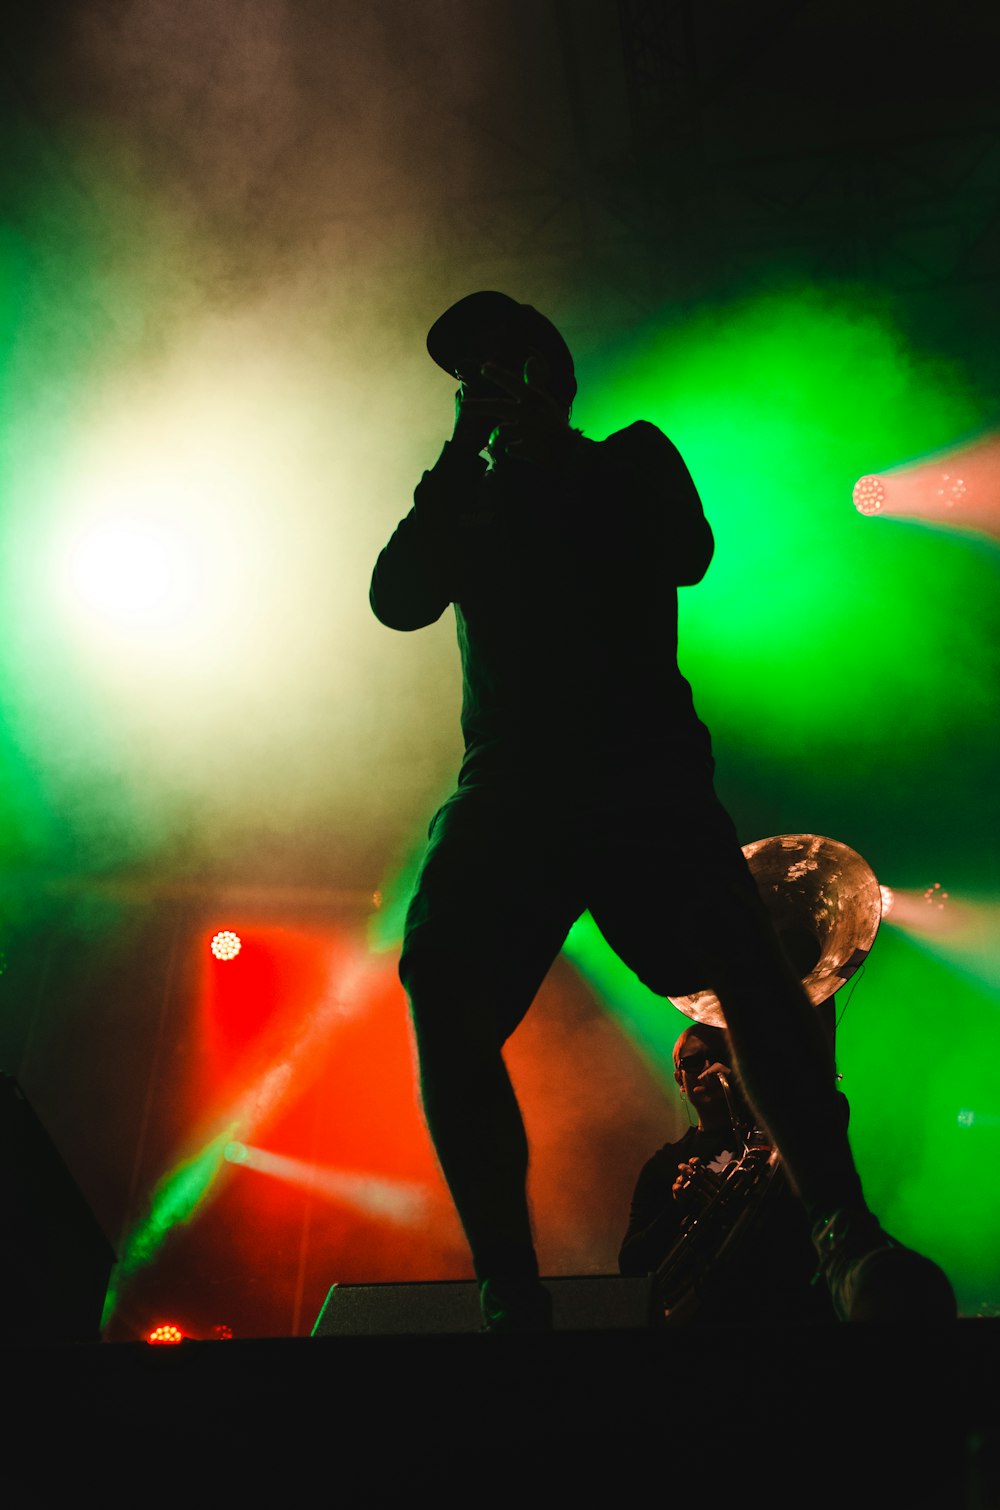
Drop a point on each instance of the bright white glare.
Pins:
(201, 534)
(226, 945)
(174, 518)
(149, 553)
(137, 573)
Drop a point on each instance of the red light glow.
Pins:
(960, 489)
(165, 1332)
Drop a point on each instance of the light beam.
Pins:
(959, 488)
(401, 1202)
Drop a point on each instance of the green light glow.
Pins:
(778, 405)
(651, 1022)
(917, 1044)
(385, 925)
(176, 1199)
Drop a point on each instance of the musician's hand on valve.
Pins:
(695, 1184)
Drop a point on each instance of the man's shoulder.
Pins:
(641, 439)
(639, 429)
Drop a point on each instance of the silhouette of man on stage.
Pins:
(587, 783)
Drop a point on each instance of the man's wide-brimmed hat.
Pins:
(488, 324)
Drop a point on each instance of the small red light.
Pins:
(166, 1332)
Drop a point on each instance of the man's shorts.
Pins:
(506, 873)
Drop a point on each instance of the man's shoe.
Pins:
(872, 1277)
(515, 1305)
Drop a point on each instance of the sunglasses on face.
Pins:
(693, 1064)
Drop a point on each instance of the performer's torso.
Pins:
(567, 625)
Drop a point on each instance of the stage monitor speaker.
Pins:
(55, 1261)
(584, 1302)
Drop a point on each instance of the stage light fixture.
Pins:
(166, 1332)
(888, 898)
(958, 490)
(226, 945)
(869, 495)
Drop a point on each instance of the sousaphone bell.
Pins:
(826, 905)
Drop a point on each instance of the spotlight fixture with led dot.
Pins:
(226, 945)
(869, 495)
(166, 1332)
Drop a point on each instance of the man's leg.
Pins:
(783, 1056)
(490, 911)
(785, 1064)
(678, 903)
(478, 1132)
(472, 1113)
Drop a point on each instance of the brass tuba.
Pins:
(826, 905)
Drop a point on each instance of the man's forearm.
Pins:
(418, 573)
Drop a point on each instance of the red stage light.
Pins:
(165, 1332)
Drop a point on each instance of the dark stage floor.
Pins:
(857, 1416)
